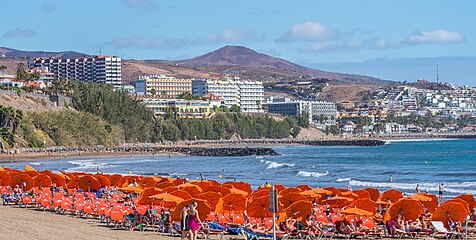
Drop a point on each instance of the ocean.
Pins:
(410, 162)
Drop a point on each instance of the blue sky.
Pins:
(306, 32)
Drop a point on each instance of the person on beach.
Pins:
(184, 221)
(441, 188)
(390, 179)
(417, 189)
(194, 222)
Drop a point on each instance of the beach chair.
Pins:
(66, 206)
(88, 210)
(255, 221)
(268, 223)
(441, 229)
(221, 218)
(26, 200)
(373, 229)
(211, 217)
(335, 217)
(46, 203)
(117, 218)
(238, 219)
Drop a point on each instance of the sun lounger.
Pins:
(441, 229)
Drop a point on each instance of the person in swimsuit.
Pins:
(441, 188)
(184, 221)
(194, 222)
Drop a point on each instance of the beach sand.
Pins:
(19, 223)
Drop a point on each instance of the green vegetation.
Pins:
(74, 129)
(23, 75)
(10, 120)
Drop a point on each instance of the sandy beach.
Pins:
(19, 223)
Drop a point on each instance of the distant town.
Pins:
(398, 108)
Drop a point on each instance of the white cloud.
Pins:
(139, 42)
(436, 36)
(20, 33)
(308, 31)
(227, 35)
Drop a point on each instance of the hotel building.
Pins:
(162, 86)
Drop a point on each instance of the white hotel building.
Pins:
(101, 69)
(248, 95)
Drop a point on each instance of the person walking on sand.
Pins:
(441, 188)
(184, 221)
(194, 222)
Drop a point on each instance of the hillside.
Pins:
(13, 53)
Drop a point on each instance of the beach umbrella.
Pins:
(114, 179)
(291, 198)
(2, 169)
(103, 180)
(29, 168)
(338, 201)
(73, 182)
(290, 190)
(130, 189)
(259, 208)
(179, 181)
(239, 185)
(4, 178)
(431, 205)
(181, 194)
(259, 193)
(164, 184)
(392, 195)
(223, 190)
(348, 194)
(374, 193)
(127, 180)
(304, 187)
(427, 201)
(193, 190)
(23, 180)
(365, 204)
(148, 182)
(231, 203)
(144, 196)
(298, 210)
(450, 211)
(212, 198)
(362, 193)
(205, 185)
(458, 200)
(334, 190)
(357, 211)
(166, 197)
(469, 198)
(312, 195)
(42, 180)
(239, 191)
(279, 187)
(88, 183)
(57, 180)
(408, 208)
(202, 208)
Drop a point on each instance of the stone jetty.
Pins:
(219, 151)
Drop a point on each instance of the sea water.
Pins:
(427, 163)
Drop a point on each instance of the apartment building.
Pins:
(289, 107)
(178, 107)
(162, 86)
(100, 69)
(248, 95)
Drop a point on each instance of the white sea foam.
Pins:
(343, 179)
(420, 140)
(312, 174)
(271, 164)
(452, 187)
(36, 163)
(81, 165)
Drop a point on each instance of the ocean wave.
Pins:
(271, 164)
(451, 187)
(420, 140)
(36, 163)
(83, 165)
(343, 179)
(312, 174)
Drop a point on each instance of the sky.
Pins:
(308, 32)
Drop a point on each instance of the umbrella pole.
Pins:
(274, 218)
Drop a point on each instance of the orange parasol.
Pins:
(212, 198)
(115, 179)
(458, 200)
(365, 204)
(42, 180)
(23, 180)
(431, 205)
(131, 189)
(393, 195)
(357, 211)
(127, 180)
(374, 193)
(205, 185)
(362, 193)
(4, 178)
(467, 198)
(223, 190)
(259, 193)
(348, 194)
(164, 184)
(166, 199)
(148, 182)
(178, 181)
(192, 189)
(279, 187)
(103, 180)
(57, 179)
(291, 198)
(144, 197)
(181, 194)
(73, 182)
(311, 195)
(289, 190)
(88, 183)
(450, 211)
(338, 201)
(304, 187)
(408, 208)
(334, 190)
(259, 208)
(202, 207)
(239, 185)
(239, 191)
(29, 168)
(231, 203)
(298, 210)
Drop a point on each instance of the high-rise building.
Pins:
(312, 108)
(248, 95)
(100, 69)
(162, 86)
